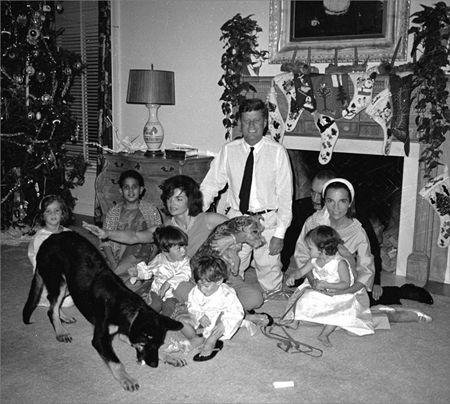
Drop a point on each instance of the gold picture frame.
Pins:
(393, 31)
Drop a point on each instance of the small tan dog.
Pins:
(248, 226)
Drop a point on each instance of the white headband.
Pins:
(342, 181)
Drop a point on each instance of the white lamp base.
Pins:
(153, 130)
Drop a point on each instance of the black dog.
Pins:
(393, 294)
(68, 260)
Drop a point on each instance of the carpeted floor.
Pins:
(408, 364)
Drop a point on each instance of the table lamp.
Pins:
(152, 88)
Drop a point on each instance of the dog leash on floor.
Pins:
(285, 342)
(288, 344)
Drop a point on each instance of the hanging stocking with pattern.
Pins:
(305, 92)
(329, 133)
(380, 110)
(276, 123)
(437, 193)
(401, 88)
(285, 82)
(363, 87)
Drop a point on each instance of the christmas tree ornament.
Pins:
(46, 98)
(33, 36)
(77, 65)
(38, 115)
(30, 115)
(18, 78)
(30, 70)
(437, 193)
(12, 53)
(329, 133)
(40, 76)
(380, 110)
(67, 71)
(363, 87)
(22, 20)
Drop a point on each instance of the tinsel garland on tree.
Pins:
(36, 122)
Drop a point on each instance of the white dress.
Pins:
(349, 311)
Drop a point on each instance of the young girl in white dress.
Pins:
(53, 213)
(325, 272)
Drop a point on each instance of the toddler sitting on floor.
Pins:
(168, 269)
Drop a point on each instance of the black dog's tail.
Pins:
(33, 297)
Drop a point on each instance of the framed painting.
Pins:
(335, 28)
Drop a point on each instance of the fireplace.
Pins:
(409, 169)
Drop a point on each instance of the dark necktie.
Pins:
(244, 193)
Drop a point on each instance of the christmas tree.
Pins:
(36, 122)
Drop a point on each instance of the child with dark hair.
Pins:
(131, 214)
(53, 214)
(168, 269)
(327, 271)
(214, 311)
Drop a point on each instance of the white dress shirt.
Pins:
(271, 181)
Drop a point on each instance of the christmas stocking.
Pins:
(380, 110)
(329, 133)
(276, 123)
(285, 82)
(330, 92)
(437, 193)
(363, 87)
(305, 92)
(401, 88)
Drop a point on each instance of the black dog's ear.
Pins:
(170, 324)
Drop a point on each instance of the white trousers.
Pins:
(268, 267)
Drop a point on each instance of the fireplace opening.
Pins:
(378, 185)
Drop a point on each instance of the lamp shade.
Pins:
(151, 87)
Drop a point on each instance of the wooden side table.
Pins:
(154, 170)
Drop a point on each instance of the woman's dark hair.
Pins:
(209, 269)
(325, 238)
(49, 199)
(168, 236)
(189, 187)
(131, 174)
(351, 212)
